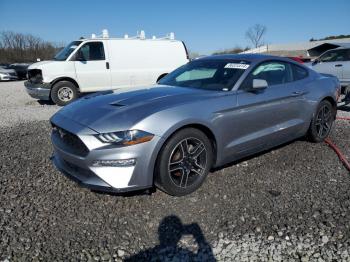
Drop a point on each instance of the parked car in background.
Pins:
(297, 59)
(97, 64)
(336, 62)
(7, 74)
(21, 69)
(205, 114)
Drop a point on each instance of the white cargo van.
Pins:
(103, 63)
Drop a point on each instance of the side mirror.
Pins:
(259, 84)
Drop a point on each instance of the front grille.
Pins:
(13, 74)
(71, 142)
(81, 171)
(35, 76)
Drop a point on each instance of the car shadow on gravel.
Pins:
(45, 102)
(170, 232)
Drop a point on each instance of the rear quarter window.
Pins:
(299, 72)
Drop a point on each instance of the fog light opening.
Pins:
(114, 163)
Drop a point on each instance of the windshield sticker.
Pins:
(236, 66)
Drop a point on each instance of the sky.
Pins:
(205, 26)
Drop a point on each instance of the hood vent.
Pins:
(116, 104)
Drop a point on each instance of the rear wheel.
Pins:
(63, 93)
(184, 162)
(322, 122)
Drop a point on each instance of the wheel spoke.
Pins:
(326, 126)
(184, 147)
(328, 115)
(175, 166)
(197, 150)
(184, 175)
(320, 131)
(323, 112)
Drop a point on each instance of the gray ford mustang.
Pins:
(205, 114)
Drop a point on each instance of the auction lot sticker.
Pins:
(236, 66)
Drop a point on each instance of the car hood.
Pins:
(120, 110)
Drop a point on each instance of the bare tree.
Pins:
(255, 34)
(17, 47)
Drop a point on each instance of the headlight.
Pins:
(5, 74)
(126, 138)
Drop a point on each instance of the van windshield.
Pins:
(216, 75)
(65, 52)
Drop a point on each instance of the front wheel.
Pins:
(63, 93)
(184, 162)
(322, 122)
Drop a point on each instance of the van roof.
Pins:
(130, 38)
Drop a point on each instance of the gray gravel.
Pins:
(17, 107)
(289, 204)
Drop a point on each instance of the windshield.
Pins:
(65, 52)
(217, 75)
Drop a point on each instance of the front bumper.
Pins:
(80, 168)
(38, 91)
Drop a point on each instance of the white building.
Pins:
(304, 49)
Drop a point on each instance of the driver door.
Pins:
(92, 67)
(270, 116)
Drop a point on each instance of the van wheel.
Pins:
(184, 162)
(63, 93)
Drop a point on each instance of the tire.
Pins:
(63, 93)
(180, 172)
(322, 122)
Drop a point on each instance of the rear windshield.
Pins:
(65, 52)
(216, 75)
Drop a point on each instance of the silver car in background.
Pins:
(7, 74)
(336, 62)
(207, 113)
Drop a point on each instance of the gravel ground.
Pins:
(289, 204)
(17, 107)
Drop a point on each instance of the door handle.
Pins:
(339, 65)
(107, 65)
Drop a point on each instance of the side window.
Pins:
(333, 56)
(274, 72)
(299, 72)
(92, 51)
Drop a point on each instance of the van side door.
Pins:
(92, 67)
